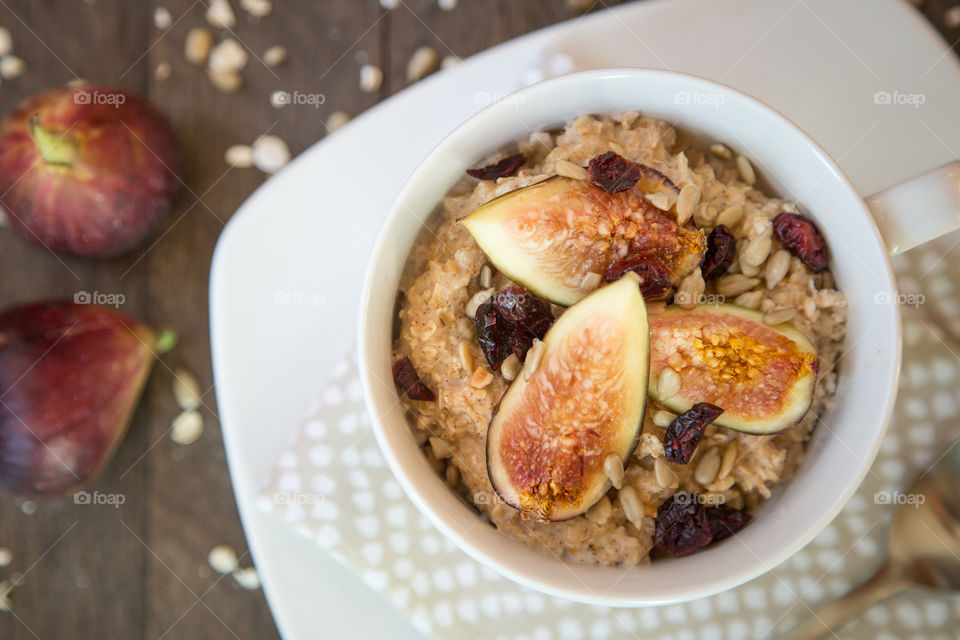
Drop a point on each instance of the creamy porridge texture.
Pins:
(448, 276)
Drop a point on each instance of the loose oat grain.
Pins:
(510, 368)
(196, 48)
(720, 151)
(422, 63)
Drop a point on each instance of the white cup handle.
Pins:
(918, 210)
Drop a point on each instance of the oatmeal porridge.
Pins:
(739, 339)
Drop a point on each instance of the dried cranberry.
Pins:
(506, 167)
(721, 249)
(726, 521)
(682, 526)
(405, 377)
(802, 238)
(613, 173)
(683, 434)
(509, 321)
(654, 281)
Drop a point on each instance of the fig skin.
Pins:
(70, 378)
(547, 442)
(86, 171)
(785, 365)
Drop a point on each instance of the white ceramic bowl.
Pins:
(846, 438)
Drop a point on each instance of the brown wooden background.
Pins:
(140, 571)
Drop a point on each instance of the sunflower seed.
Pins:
(777, 267)
(6, 557)
(707, 467)
(220, 14)
(275, 56)
(599, 513)
(757, 250)
(470, 310)
(196, 48)
(668, 385)
(729, 458)
(630, 503)
(239, 156)
(746, 170)
(227, 56)
(530, 363)
(659, 200)
(187, 427)
(486, 276)
(510, 368)
(731, 215)
(225, 81)
(733, 285)
(779, 315)
(6, 42)
(663, 473)
(247, 578)
(422, 63)
(687, 202)
(613, 469)
(270, 153)
(663, 418)
(162, 19)
(257, 8)
(186, 389)
(223, 559)
(720, 151)
(337, 119)
(371, 77)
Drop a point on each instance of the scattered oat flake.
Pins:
(196, 48)
(257, 8)
(389, 4)
(337, 119)
(163, 71)
(423, 62)
(951, 18)
(5, 589)
(275, 56)
(239, 156)
(229, 55)
(11, 67)
(248, 578)
(162, 19)
(270, 153)
(6, 557)
(187, 427)
(220, 14)
(223, 559)
(502, 169)
(449, 62)
(371, 77)
(6, 42)
(225, 81)
(186, 388)
(447, 5)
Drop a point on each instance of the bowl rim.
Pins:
(446, 522)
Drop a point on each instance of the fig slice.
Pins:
(761, 376)
(550, 235)
(581, 402)
(71, 376)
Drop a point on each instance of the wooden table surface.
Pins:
(140, 570)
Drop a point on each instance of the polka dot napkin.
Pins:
(334, 486)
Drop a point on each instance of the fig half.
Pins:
(582, 401)
(71, 376)
(550, 235)
(762, 376)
